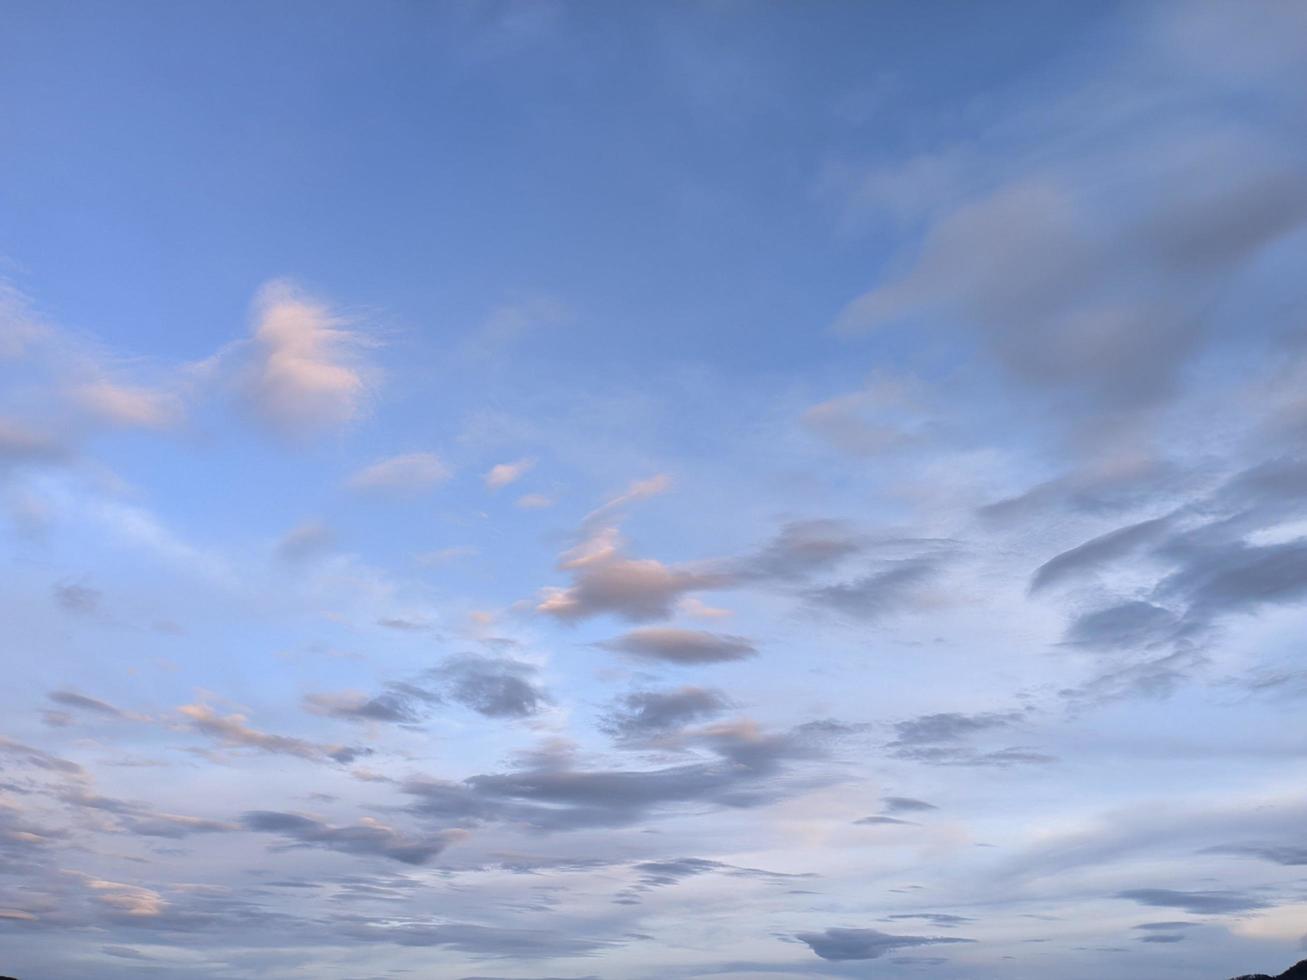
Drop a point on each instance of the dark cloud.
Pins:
(864, 944)
(645, 714)
(1198, 903)
(369, 837)
(681, 646)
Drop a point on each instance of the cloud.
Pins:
(905, 804)
(1198, 903)
(894, 586)
(494, 687)
(646, 714)
(741, 770)
(409, 473)
(476, 940)
(368, 837)
(231, 730)
(534, 501)
(306, 541)
(502, 474)
(942, 739)
(884, 415)
(865, 944)
(69, 699)
(401, 703)
(1289, 855)
(80, 599)
(20, 445)
(802, 548)
(605, 581)
(307, 373)
(128, 405)
(1112, 546)
(681, 646)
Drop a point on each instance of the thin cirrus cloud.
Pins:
(407, 473)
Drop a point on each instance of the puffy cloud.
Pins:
(865, 944)
(502, 474)
(681, 646)
(635, 589)
(307, 374)
(407, 473)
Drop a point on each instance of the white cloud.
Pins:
(503, 474)
(308, 375)
(406, 473)
(128, 405)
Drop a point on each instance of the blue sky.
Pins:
(652, 490)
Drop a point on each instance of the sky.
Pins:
(559, 491)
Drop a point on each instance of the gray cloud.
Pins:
(69, 699)
(1112, 546)
(494, 687)
(681, 646)
(401, 703)
(644, 714)
(889, 589)
(743, 768)
(1197, 902)
(802, 548)
(80, 599)
(906, 804)
(865, 944)
(942, 739)
(231, 730)
(1291, 855)
(367, 838)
